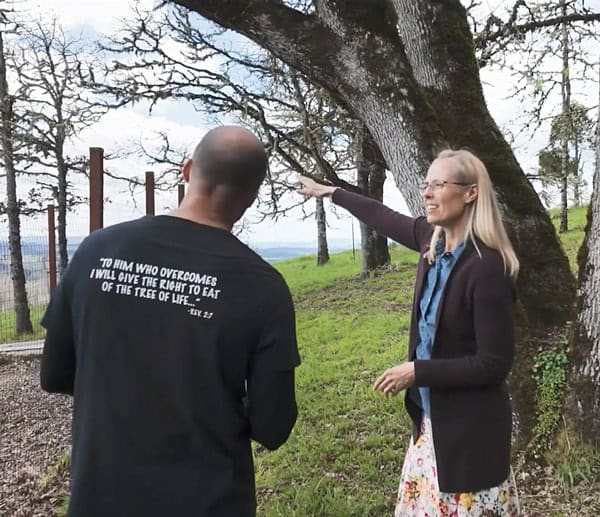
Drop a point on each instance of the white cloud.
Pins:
(103, 15)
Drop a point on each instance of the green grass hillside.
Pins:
(345, 454)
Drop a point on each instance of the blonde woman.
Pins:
(461, 344)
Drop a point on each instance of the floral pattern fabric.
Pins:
(419, 494)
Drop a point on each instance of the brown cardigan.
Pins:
(472, 354)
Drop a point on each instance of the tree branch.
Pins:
(510, 29)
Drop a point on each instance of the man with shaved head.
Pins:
(178, 344)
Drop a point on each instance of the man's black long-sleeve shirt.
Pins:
(178, 344)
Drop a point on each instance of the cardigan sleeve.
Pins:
(493, 320)
(414, 233)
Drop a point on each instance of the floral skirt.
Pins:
(419, 494)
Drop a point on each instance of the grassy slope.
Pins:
(345, 453)
(343, 457)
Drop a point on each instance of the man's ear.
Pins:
(186, 169)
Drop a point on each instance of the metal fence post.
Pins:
(51, 248)
(96, 188)
(149, 193)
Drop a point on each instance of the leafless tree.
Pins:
(9, 154)
(48, 63)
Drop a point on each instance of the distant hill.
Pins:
(37, 246)
(284, 251)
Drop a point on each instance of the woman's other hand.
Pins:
(395, 379)
(311, 188)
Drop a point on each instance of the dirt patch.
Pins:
(35, 436)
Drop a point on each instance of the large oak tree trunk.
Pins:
(407, 69)
(17, 272)
(584, 402)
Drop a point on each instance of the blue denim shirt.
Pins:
(434, 284)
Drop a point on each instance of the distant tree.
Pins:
(547, 45)
(565, 92)
(573, 129)
(370, 173)
(569, 134)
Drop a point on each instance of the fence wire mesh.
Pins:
(35, 259)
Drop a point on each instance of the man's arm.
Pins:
(272, 409)
(57, 373)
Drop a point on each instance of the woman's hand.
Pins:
(395, 379)
(311, 188)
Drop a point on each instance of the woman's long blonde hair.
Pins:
(485, 221)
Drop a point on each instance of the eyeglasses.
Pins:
(436, 185)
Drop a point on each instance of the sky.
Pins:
(185, 127)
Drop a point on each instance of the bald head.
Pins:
(230, 156)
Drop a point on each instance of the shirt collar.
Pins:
(439, 249)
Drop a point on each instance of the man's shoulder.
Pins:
(126, 227)
(267, 279)
(264, 271)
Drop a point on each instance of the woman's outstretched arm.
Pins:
(411, 232)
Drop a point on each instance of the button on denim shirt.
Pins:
(435, 281)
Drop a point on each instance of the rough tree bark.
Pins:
(370, 176)
(584, 402)
(17, 273)
(407, 69)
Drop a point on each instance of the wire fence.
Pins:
(116, 202)
(35, 252)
